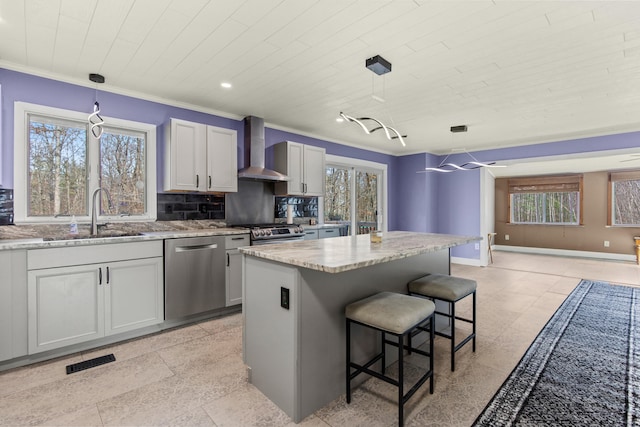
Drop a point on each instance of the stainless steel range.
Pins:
(265, 234)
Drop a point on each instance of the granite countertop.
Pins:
(340, 254)
(36, 236)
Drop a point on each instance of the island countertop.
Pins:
(346, 253)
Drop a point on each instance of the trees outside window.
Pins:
(624, 198)
(61, 163)
(546, 200)
(353, 197)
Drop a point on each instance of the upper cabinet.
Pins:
(199, 157)
(305, 167)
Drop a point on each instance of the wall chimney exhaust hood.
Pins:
(254, 153)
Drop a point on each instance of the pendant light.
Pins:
(379, 66)
(446, 167)
(95, 120)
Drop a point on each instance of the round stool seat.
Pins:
(390, 311)
(443, 287)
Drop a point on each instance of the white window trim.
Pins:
(351, 163)
(20, 168)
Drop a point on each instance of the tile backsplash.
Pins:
(6, 206)
(171, 206)
(183, 206)
(303, 207)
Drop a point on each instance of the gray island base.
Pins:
(294, 300)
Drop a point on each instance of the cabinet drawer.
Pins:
(329, 232)
(232, 242)
(79, 255)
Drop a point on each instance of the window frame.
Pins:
(22, 110)
(552, 184)
(363, 166)
(628, 175)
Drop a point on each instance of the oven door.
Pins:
(279, 240)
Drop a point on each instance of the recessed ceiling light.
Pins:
(225, 85)
(339, 120)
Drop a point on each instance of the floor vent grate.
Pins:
(81, 366)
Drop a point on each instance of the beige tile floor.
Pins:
(194, 376)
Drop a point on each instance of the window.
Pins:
(353, 194)
(61, 164)
(624, 198)
(546, 200)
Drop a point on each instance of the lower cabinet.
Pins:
(234, 268)
(327, 232)
(13, 304)
(70, 304)
(310, 234)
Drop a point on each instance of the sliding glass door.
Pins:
(353, 196)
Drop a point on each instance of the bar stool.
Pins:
(449, 289)
(398, 315)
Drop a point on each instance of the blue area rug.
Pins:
(583, 369)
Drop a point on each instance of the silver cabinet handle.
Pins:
(196, 247)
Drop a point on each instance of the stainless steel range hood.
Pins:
(254, 153)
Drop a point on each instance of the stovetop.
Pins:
(273, 231)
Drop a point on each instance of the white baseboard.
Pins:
(466, 261)
(565, 252)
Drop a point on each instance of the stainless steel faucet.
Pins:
(94, 214)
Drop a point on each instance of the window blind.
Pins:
(545, 184)
(624, 176)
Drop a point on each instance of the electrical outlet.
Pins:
(606, 243)
(284, 298)
(477, 246)
(506, 237)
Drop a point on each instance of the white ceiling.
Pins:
(515, 72)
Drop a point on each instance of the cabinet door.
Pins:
(293, 169)
(187, 162)
(134, 294)
(222, 159)
(65, 306)
(329, 232)
(234, 277)
(13, 304)
(310, 234)
(314, 170)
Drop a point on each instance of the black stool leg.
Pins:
(474, 322)
(383, 360)
(348, 371)
(432, 338)
(452, 310)
(400, 381)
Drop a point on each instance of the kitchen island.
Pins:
(294, 300)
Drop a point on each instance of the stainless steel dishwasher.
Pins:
(194, 274)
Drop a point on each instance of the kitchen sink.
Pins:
(104, 234)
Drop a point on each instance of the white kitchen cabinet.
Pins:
(234, 268)
(13, 304)
(325, 232)
(310, 234)
(199, 157)
(305, 167)
(73, 298)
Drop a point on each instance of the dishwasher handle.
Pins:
(196, 247)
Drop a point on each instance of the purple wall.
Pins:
(445, 203)
(37, 90)
(458, 202)
(415, 195)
